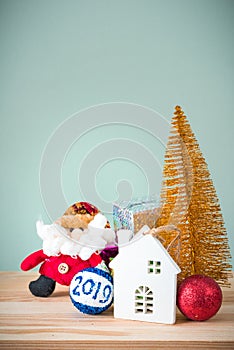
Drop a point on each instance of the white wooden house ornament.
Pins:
(145, 281)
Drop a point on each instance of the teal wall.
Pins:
(59, 57)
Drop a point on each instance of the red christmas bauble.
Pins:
(199, 297)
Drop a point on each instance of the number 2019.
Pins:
(90, 287)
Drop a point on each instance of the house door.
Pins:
(144, 300)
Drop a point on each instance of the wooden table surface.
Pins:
(28, 322)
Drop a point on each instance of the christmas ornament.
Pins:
(69, 246)
(199, 297)
(91, 290)
(145, 279)
(189, 201)
(108, 253)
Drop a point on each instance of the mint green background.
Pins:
(58, 57)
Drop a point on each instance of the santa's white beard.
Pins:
(83, 243)
(59, 244)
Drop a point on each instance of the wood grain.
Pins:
(28, 322)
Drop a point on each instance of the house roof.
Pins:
(148, 239)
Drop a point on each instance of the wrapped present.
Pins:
(132, 215)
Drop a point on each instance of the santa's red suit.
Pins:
(61, 268)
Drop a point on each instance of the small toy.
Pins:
(70, 244)
(91, 290)
(145, 278)
(199, 297)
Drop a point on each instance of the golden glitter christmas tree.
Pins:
(189, 201)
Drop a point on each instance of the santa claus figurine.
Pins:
(70, 244)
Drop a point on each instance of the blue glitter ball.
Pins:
(91, 290)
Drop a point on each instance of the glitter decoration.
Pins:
(189, 201)
(132, 215)
(199, 297)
